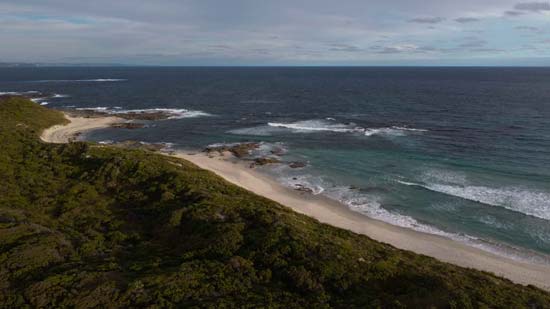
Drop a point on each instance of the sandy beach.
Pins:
(64, 133)
(331, 212)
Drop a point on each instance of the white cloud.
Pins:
(248, 31)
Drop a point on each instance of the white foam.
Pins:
(57, 95)
(409, 129)
(304, 181)
(44, 103)
(255, 131)
(307, 126)
(393, 131)
(528, 202)
(532, 203)
(384, 131)
(37, 100)
(19, 92)
(97, 109)
(371, 207)
(173, 112)
(268, 150)
(324, 125)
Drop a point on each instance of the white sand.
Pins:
(331, 212)
(65, 133)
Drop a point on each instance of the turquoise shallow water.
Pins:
(460, 152)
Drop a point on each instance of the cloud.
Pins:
(528, 28)
(344, 48)
(513, 13)
(427, 20)
(245, 32)
(488, 50)
(464, 20)
(473, 43)
(394, 49)
(533, 6)
(405, 49)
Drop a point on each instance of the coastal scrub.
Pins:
(86, 225)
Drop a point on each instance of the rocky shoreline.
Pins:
(244, 150)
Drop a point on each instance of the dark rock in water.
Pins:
(302, 188)
(277, 151)
(128, 125)
(297, 164)
(266, 160)
(160, 115)
(149, 116)
(238, 150)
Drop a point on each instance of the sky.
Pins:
(282, 32)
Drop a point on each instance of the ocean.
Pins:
(459, 152)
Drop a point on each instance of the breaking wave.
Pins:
(316, 126)
(35, 96)
(32, 92)
(328, 125)
(532, 203)
(175, 113)
(370, 205)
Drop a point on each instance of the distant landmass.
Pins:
(47, 64)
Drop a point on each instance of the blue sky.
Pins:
(284, 32)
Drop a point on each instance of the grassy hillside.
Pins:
(83, 225)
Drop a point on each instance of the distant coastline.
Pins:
(332, 212)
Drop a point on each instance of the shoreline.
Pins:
(65, 133)
(334, 213)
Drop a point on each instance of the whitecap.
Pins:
(19, 92)
(96, 109)
(37, 100)
(324, 125)
(175, 113)
(384, 131)
(370, 206)
(315, 184)
(58, 96)
(254, 131)
(308, 126)
(522, 200)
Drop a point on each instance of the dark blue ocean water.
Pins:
(460, 152)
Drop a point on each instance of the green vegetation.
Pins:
(83, 225)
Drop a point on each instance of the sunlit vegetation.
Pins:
(85, 225)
